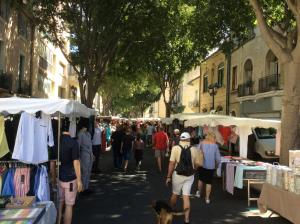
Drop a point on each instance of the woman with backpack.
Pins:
(212, 158)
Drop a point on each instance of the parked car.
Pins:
(265, 144)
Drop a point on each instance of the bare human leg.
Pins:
(186, 208)
(68, 214)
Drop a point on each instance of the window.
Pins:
(234, 78)
(43, 64)
(2, 56)
(248, 68)
(22, 25)
(61, 92)
(41, 79)
(221, 75)
(272, 64)
(5, 9)
(61, 69)
(196, 95)
(21, 74)
(205, 83)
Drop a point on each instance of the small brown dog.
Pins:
(164, 212)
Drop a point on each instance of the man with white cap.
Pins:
(184, 160)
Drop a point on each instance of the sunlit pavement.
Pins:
(125, 199)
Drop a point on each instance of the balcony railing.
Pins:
(268, 83)
(245, 90)
(24, 89)
(5, 81)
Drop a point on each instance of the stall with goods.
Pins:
(29, 139)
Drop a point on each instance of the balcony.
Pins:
(194, 103)
(245, 89)
(6, 81)
(268, 83)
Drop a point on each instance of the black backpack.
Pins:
(185, 165)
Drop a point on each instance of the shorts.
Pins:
(138, 154)
(182, 184)
(160, 153)
(126, 155)
(65, 193)
(206, 175)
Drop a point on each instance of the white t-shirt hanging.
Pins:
(33, 137)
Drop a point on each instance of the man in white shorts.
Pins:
(182, 184)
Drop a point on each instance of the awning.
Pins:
(15, 105)
(214, 120)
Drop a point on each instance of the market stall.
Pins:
(34, 129)
(243, 126)
(236, 172)
(281, 191)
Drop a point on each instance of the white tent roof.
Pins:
(214, 120)
(14, 105)
(180, 117)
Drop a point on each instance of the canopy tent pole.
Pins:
(58, 154)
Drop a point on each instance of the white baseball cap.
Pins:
(185, 136)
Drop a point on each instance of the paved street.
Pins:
(125, 199)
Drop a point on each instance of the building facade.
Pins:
(29, 64)
(16, 49)
(256, 80)
(190, 91)
(255, 85)
(213, 83)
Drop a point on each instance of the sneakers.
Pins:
(207, 201)
(197, 195)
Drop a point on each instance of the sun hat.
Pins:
(185, 136)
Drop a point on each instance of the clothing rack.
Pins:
(17, 164)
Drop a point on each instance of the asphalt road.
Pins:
(125, 199)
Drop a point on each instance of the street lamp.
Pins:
(212, 89)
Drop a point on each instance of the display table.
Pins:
(251, 175)
(282, 202)
(41, 213)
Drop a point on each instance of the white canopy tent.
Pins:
(14, 105)
(55, 107)
(180, 117)
(244, 126)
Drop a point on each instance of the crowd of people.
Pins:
(127, 140)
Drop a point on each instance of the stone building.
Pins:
(29, 64)
(213, 83)
(17, 35)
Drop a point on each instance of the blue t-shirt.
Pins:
(211, 155)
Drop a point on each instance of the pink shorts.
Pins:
(67, 192)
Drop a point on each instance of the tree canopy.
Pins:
(128, 95)
(101, 33)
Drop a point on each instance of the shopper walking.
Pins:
(97, 139)
(69, 175)
(161, 144)
(126, 147)
(86, 154)
(184, 160)
(176, 137)
(212, 158)
(138, 147)
(116, 141)
(150, 130)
